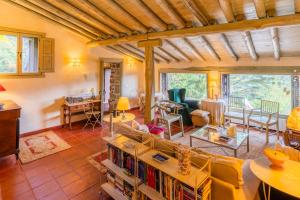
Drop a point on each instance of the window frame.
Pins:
(161, 87)
(283, 116)
(19, 34)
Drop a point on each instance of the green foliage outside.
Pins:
(195, 84)
(8, 54)
(268, 87)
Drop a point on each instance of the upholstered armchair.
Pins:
(178, 96)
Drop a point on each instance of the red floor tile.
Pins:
(67, 179)
(45, 189)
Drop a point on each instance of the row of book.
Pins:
(167, 186)
(121, 159)
(125, 188)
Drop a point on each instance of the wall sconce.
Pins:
(75, 63)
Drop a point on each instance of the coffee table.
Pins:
(211, 135)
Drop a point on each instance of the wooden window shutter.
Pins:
(46, 55)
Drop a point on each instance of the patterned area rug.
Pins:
(40, 145)
(96, 159)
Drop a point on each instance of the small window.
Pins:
(30, 55)
(8, 53)
(25, 53)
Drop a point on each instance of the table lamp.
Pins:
(2, 89)
(293, 121)
(123, 104)
(213, 85)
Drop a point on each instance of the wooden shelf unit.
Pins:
(143, 153)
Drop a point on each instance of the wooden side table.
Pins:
(285, 180)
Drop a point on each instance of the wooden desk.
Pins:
(9, 128)
(71, 109)
(286, 179)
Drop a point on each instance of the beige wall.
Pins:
(41, 98)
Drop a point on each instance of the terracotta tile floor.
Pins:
(64, 175)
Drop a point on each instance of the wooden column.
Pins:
(149, 77)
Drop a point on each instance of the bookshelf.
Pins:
(134, 174)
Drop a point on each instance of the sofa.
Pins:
(232, 178)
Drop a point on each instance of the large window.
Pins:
(194, 83)
(255, 87)
(18, 54)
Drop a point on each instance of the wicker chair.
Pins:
(235, 109)
(266, 116)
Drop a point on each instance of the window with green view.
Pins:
(194, 83)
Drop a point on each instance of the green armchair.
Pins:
(178, 96)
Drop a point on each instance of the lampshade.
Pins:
(123, 104)
(293, 121)
(213, 84)
(2, 89)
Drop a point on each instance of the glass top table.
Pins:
(214, 136)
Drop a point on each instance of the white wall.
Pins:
(41, 98)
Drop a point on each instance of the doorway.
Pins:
(110, 83)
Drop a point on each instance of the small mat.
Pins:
(40, 145)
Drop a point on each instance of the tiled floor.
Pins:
(64, 175)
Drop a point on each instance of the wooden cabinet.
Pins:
(9, 129)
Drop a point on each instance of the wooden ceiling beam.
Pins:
(140, 51)
(194, 49)
(104, 17)
(169, 54)
(184, 55)
(146, 10)
(139, 25)
(227, 10)
(209, 48)
(129, 52)
(52, 9)
(275, 42)
(239, 26)
(260, 8)
(194, 8)
(116, 50)
(297, 6)
(169, 10)
(74, 10)
(36, 9)
(228, 47)
(250, 46)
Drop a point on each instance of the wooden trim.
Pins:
(41, 12)
(112, 48)
(16, 76)
(194, 49)
(235, 70)
(21, 31)
(275, 42)
(297, 6)
(209, 48)
(228, 47)
(52, 128)
(250, 46)
(124, 49)
(169, 54)
(244, 25)
(141, 51)
(185, 56)
(227, 10)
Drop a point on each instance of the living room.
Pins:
(186, 99)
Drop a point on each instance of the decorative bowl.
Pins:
(277, 158)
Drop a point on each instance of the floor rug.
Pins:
(40, 145)
(96, 159)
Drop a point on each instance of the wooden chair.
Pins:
(168, 117)
(266, 116)
(235, 109)
(92, 115)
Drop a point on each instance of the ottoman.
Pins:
(200, 118)
(156, 131)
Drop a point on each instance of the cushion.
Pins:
(201, 113)
(140, 127)
(225, 168)
(128, 131)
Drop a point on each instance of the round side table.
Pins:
(284, 179)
